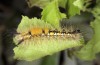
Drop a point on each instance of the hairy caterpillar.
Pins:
(39, 32)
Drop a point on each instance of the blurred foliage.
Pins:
(40, 3)
(89, 51)
(43, 3)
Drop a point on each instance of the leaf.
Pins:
(75, 6)
(79, 3)
(52, 15)
(86, 53)
(96, 27)
(72, 9)
(38, 47)
(82, 4)
(34, 49)
(96, 39)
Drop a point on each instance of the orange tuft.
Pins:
(36, 31)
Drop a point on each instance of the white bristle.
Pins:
(62, 34)
(68, 34)
(19, 37)
(55, 34)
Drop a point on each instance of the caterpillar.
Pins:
(39, 32)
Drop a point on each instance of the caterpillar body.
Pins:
(47, 33)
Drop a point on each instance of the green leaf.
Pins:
(75, 6)
(38, 47)
(82, 4)
(52, 15)
(86, 53)
(96, 27)
(34, 49)
(96, 39)
(72, 9)
(79, 3)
